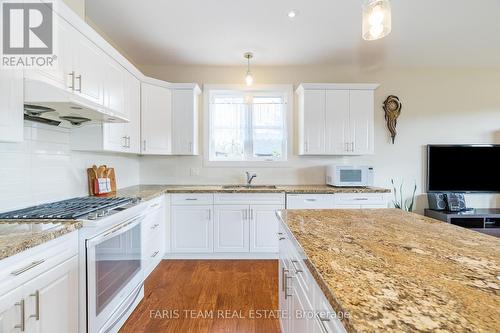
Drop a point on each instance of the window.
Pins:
(247, 125)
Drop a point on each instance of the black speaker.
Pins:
(437, 201)
(455, 202)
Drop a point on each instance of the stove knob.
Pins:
(92, 216)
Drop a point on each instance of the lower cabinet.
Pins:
(192, 229)
(226, 224)
(153, 235)
(39, 289)
(303, 306)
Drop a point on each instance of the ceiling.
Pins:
(218, 32)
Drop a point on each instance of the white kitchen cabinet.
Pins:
(263, 228)
(89, 69)
(338, 135)
(11, 304)
(185, 121)
(312, 122)
(156, 120)
(52, 300)
(231, 228)
(115, 86)
(11, 105)
(153, 235)
(336, 119)
(192, 229)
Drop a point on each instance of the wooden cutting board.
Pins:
(101, 172)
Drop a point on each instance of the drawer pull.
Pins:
(191, 199)
(21, 326)
(281, 238)
(297, 269)
(361, 199)
(27, 268)
(321, 321)
(37, 305)
(155, 254)
(155, 205)
(311, 200)
(155, 226)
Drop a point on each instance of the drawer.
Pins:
(153, 223)
(249, 198)
(155, 203)
(192, 199)
(310, 201)
(358, 199)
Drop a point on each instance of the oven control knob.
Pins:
(92, 216)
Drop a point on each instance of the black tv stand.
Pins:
(486, 221)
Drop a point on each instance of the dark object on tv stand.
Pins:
(486, 221)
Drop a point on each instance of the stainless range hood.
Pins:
(49, 104)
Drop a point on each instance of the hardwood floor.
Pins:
(209, 296)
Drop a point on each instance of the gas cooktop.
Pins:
(71, 209)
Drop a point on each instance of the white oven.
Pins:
(349, 175)
(114, 274)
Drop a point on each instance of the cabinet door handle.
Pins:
(27, 268)
(144, 145)
(251, 214)
(154, 205)
(191, 199)
(306, 146)
(155, 226)
(190, 147)
(37, 305)
(321, 321)
(346, 146)
(311, 200)
(128, 141)
(72, 86)
(21, 326)
(79, 78)
(125, 144)
(352, 146)
(209, 214)
(155, 254)
(281, 238)
(245, 213)
(360, 199)
(283, 280)
(297, 269)
(286, 278)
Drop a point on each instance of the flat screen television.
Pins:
(463, 168)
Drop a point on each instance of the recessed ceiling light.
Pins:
(292, 14)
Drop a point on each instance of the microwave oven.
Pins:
(349, 175)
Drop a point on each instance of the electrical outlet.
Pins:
(194, 171)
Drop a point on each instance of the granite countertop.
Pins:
(394, 271)
(148, 192)
(18, 237)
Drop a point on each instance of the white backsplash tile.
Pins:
(43, 168)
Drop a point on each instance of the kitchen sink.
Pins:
(252, 187)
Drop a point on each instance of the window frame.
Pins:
(285, 90)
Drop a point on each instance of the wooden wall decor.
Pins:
(392, 108)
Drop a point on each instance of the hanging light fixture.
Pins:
(376, 19)
(248, 76)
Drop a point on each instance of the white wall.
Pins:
(439, 106)
(44, 169)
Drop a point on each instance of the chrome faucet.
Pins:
(250, 177)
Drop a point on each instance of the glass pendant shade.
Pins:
(249, 79)
(376, 19)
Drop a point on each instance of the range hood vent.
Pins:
(50, 104)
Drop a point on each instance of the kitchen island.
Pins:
(392, 271)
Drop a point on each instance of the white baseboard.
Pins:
(221, 256)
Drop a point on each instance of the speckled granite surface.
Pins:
(150, 191)
(401, 272)
(18, 237)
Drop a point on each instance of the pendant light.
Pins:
(376, 19)
(248, 76)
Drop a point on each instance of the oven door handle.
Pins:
(125, 226)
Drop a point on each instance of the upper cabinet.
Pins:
(336, 119)
(156, 120)
(169, 116)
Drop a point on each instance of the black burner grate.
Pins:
(70, 209)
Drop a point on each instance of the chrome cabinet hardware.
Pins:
(306, 146)
(283, 283)
(245, 213)
(310, 200)
(352, 146)
(37, 305)
(155, 254)
(346, 146)
(125, 144)
(297, 269)
(72, 86)
(79, 78)
(322, 321)
(155, 226)
(27, 268)
(286, 278)
(154, 205)
(209, 214)
(360, 199)
(190, 147)
(281, 238)
(129, 141)
(144, 145)
(251, 214)
(191, 199)
(21, 326)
